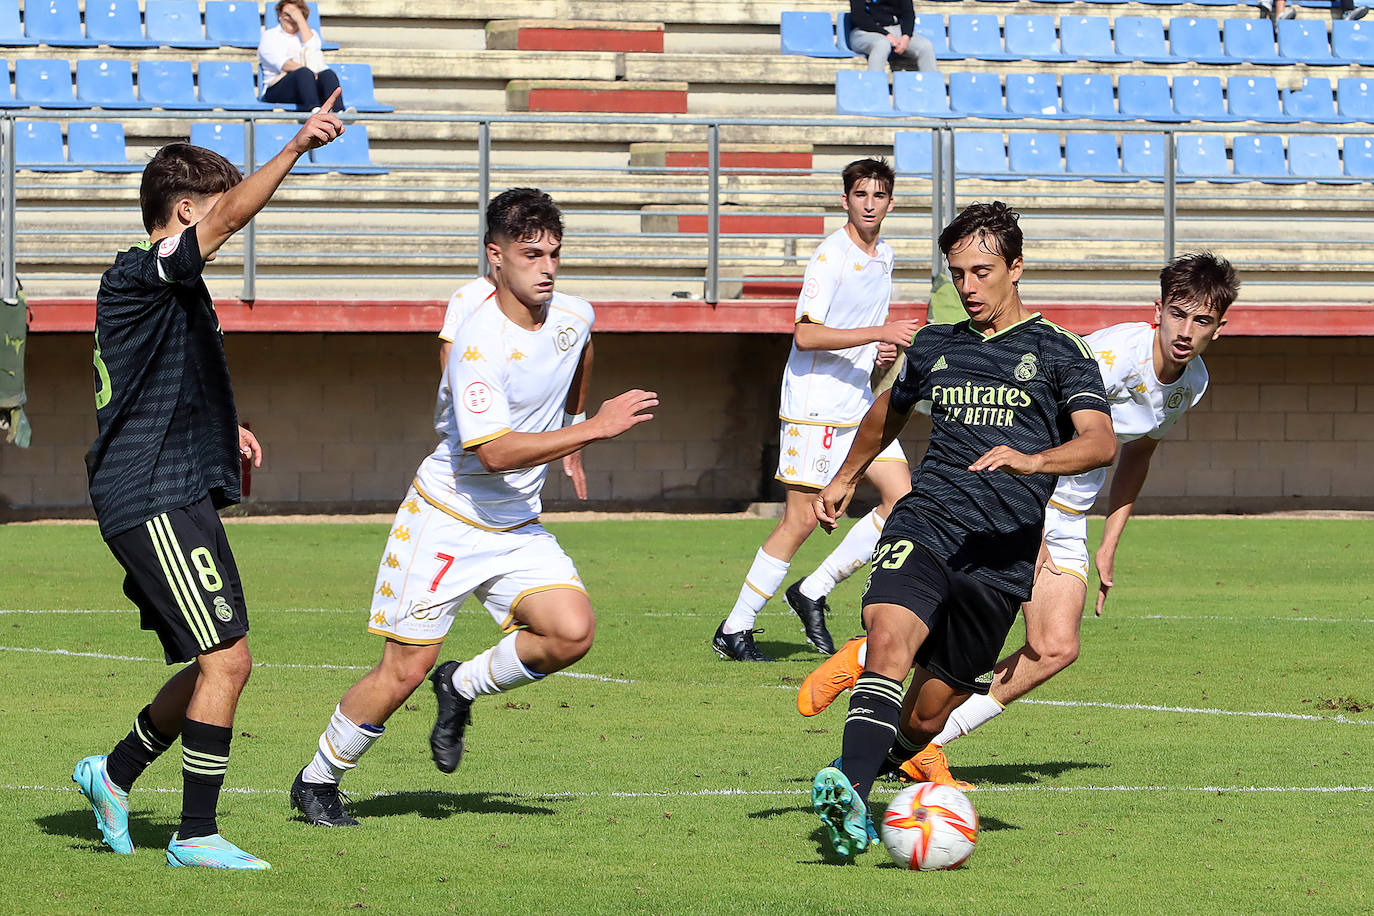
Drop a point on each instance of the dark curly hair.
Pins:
(181, 170)
(875, 170)
(995, 221)
(1202, 278)
(521, 214)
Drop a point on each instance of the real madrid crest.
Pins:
(1026, 369)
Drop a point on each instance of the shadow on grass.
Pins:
(440, 805)
(1014, 774)
(80, 826)
(797, 651)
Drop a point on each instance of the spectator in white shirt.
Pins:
(293, 67)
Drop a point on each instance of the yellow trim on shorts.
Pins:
(1076, 575)
(799, 483)
(509, 626)
(1063, 508)
(876, 460)
(462, 518)
(485, 439)
(829, 423)
(406, 640)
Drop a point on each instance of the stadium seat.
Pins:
(99, 145)
(1036, 155)
(1197, 40)
(1315, 158)
(1142, 155)
(918, 93)
(1034, 38)
(978, 37)
(11, 31)
(236, 24)
(932, 26)
(356, 82)
(271, 137)
(1354, 98)
(911, 152)
(55, 22)
(1199, 98)
(225, 139)
(38, 147)
(1358, 157)
(1094, 156)
(842, 34)
(1089, 95)
(1252, 41)
(863, 92)
(229, 85)
(46, 83)
(1142, 38)
(808, 34)
(1315, 101)
(1145, 96)
(169, 84)
(1254, 98)
(175, 23)
(7, 99)
(1033, 95)
(1203, 156)
(116, 23)
(1260, 158)
(982, 154)
(349, 154)
(106, 84)
(1305, 41)
(1353, 40)
(977, 95)
(1161, 2)
(1088, 38)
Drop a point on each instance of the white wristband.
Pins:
(569, 419)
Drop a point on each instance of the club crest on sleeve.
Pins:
(168, 245)
(477, 397)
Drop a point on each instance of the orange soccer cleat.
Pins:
(834, 676)
(930, 765)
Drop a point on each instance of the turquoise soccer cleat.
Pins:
(843, 813)
(110, 803)
(212, 851)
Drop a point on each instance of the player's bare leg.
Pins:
(926, 708)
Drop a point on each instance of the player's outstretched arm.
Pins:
(1093, 447)
(511, 451)
(243, 201)
(1131, 470)
(576, 411)
(812, 336)
(877, 430)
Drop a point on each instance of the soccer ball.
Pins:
(929, 827)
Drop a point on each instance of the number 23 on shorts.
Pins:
(892, 554)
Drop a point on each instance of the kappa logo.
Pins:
(222, 610)
(791, 453)
(385, 591)
(379, 619)
(392, 562)
(790, 471)
(1026, 369)
(565, 339)
(1176, 398)
(402, 533)
(793, 431)
(1140, 388)
(939, 364)
(1106, 358)
(472, 355)
(516, 355)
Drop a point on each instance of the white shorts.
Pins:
(1066, 536)
(434, 561)
(809, 455)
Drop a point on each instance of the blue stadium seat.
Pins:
(977, 95)
(1252, 41)
(1162, 2)
(11, 31)
(1353, 40)
(982, 154)
(1093, 156)
(808, 34)
(1199, 98)
(349, 154)
(1354, 98)
(55, 22)
(116, 23)
(175, 23)
(1033, 95)
(1145, 96)
(1203, 156)
(38, 147)
(106, 84)
(169, 84)
(1089, 95)
(1358, 156)
(1142, 156)
(6, 94)
(1315, 158)
(1197, 40)
(235, 24)
(1036, 155)
(1260, 158)
(99, 145)
(1255, 98)
(1034, 38)
(271, 137)
(978, 37)
(911, 152)
(225, 139)
(842, 33)
(863, 92)
(313, 20)
(932, 26)
(356, 82)
(1088, 38)
(914, 92)
(230, 85)
(1305, 41)
(46, 83)
(1315, 101)
(1142, 38)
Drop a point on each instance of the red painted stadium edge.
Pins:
(583, 38)
(748, 316)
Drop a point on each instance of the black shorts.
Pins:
(181, 575)
(968, 618)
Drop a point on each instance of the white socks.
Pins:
(848, 558)
(496, 670)
(765, 577)
(341, 744)
(973, 712)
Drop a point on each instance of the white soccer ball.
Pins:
(929, 827)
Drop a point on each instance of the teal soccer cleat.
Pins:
(212, 851)
(110, 803)
(843, 813)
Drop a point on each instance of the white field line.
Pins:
(1192, 710)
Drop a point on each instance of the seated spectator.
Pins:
(883, 28)
(293, 68)
(1340, 9)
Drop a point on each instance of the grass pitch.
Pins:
(1209, 752)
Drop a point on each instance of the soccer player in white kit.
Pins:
(510, 402)
(842, 331)
(1153, 374)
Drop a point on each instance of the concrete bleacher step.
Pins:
(622, 97)
(742, 158)
(735, 220)
(563, 35)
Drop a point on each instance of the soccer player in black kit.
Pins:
(1015, 402)
(166, 456)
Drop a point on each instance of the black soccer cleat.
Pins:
(738, 647)
(455, 712)
(812, 614)
(321, 803)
